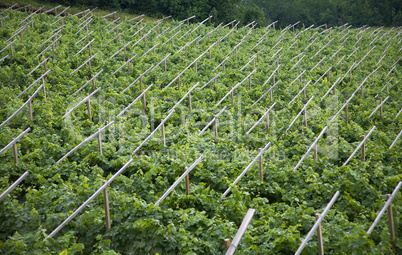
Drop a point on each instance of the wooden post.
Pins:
(363, 150)
(304, 94)
(249, 82)
(141, 83)
(214, 78)
(224, 66)
(261, 168)
(22, 40)
(15, 152)
(334, 90)
(329, 77)
(216, 127)
(227, 244)
(319, 237)
(253, 63)
(107, 212)
(30, 109)
(100, 143)
(346, 111)
(186, 50)
(129, 65)
(315, 149)
(187, 183)
(12, 50)
(54, 56)
(305, 117)
(362, 91)
(350, 75)
(178, 83)
(236, 53)
(381, 107)
(267, 122)
(144, 104)
(164, 63)
(231, 93)
(391, 224)
(196, 67)
(44, 87)
(189, 102)
(163, 134)
(270, 94)
(89, 108)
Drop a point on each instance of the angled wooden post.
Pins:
(315, 149)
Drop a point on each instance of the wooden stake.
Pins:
(30, 109)
(236, 54)
(304, 94)
(381, 107)
(163, 134)
(319, 237)
(178, 83)
(305, 117)
(391, 224)
(270, 94)
(44, 87)
(100, 143)
(329, 77)
(224, 66)
(186, 51)
(227, 244)
(107, 212)
(189, 102)
(89, 108)
(315, 149)
(216, 127)
(22, 40)
(15, 152)
(267, 122)
(346, 111)
(261, 168)
(196, 67)
(144, 104)
(231, 93)
(249, 82)
(363, 150)
(141, 83)
(165, 64)
(214, 78)
(187, 183)
(12, 50)
(350, 75)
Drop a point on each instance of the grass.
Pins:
(72, 10)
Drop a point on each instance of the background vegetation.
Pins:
(332, 12)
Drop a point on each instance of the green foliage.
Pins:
(286, 201)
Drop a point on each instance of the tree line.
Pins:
(330, 12)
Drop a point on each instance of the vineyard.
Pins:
(131, 137)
